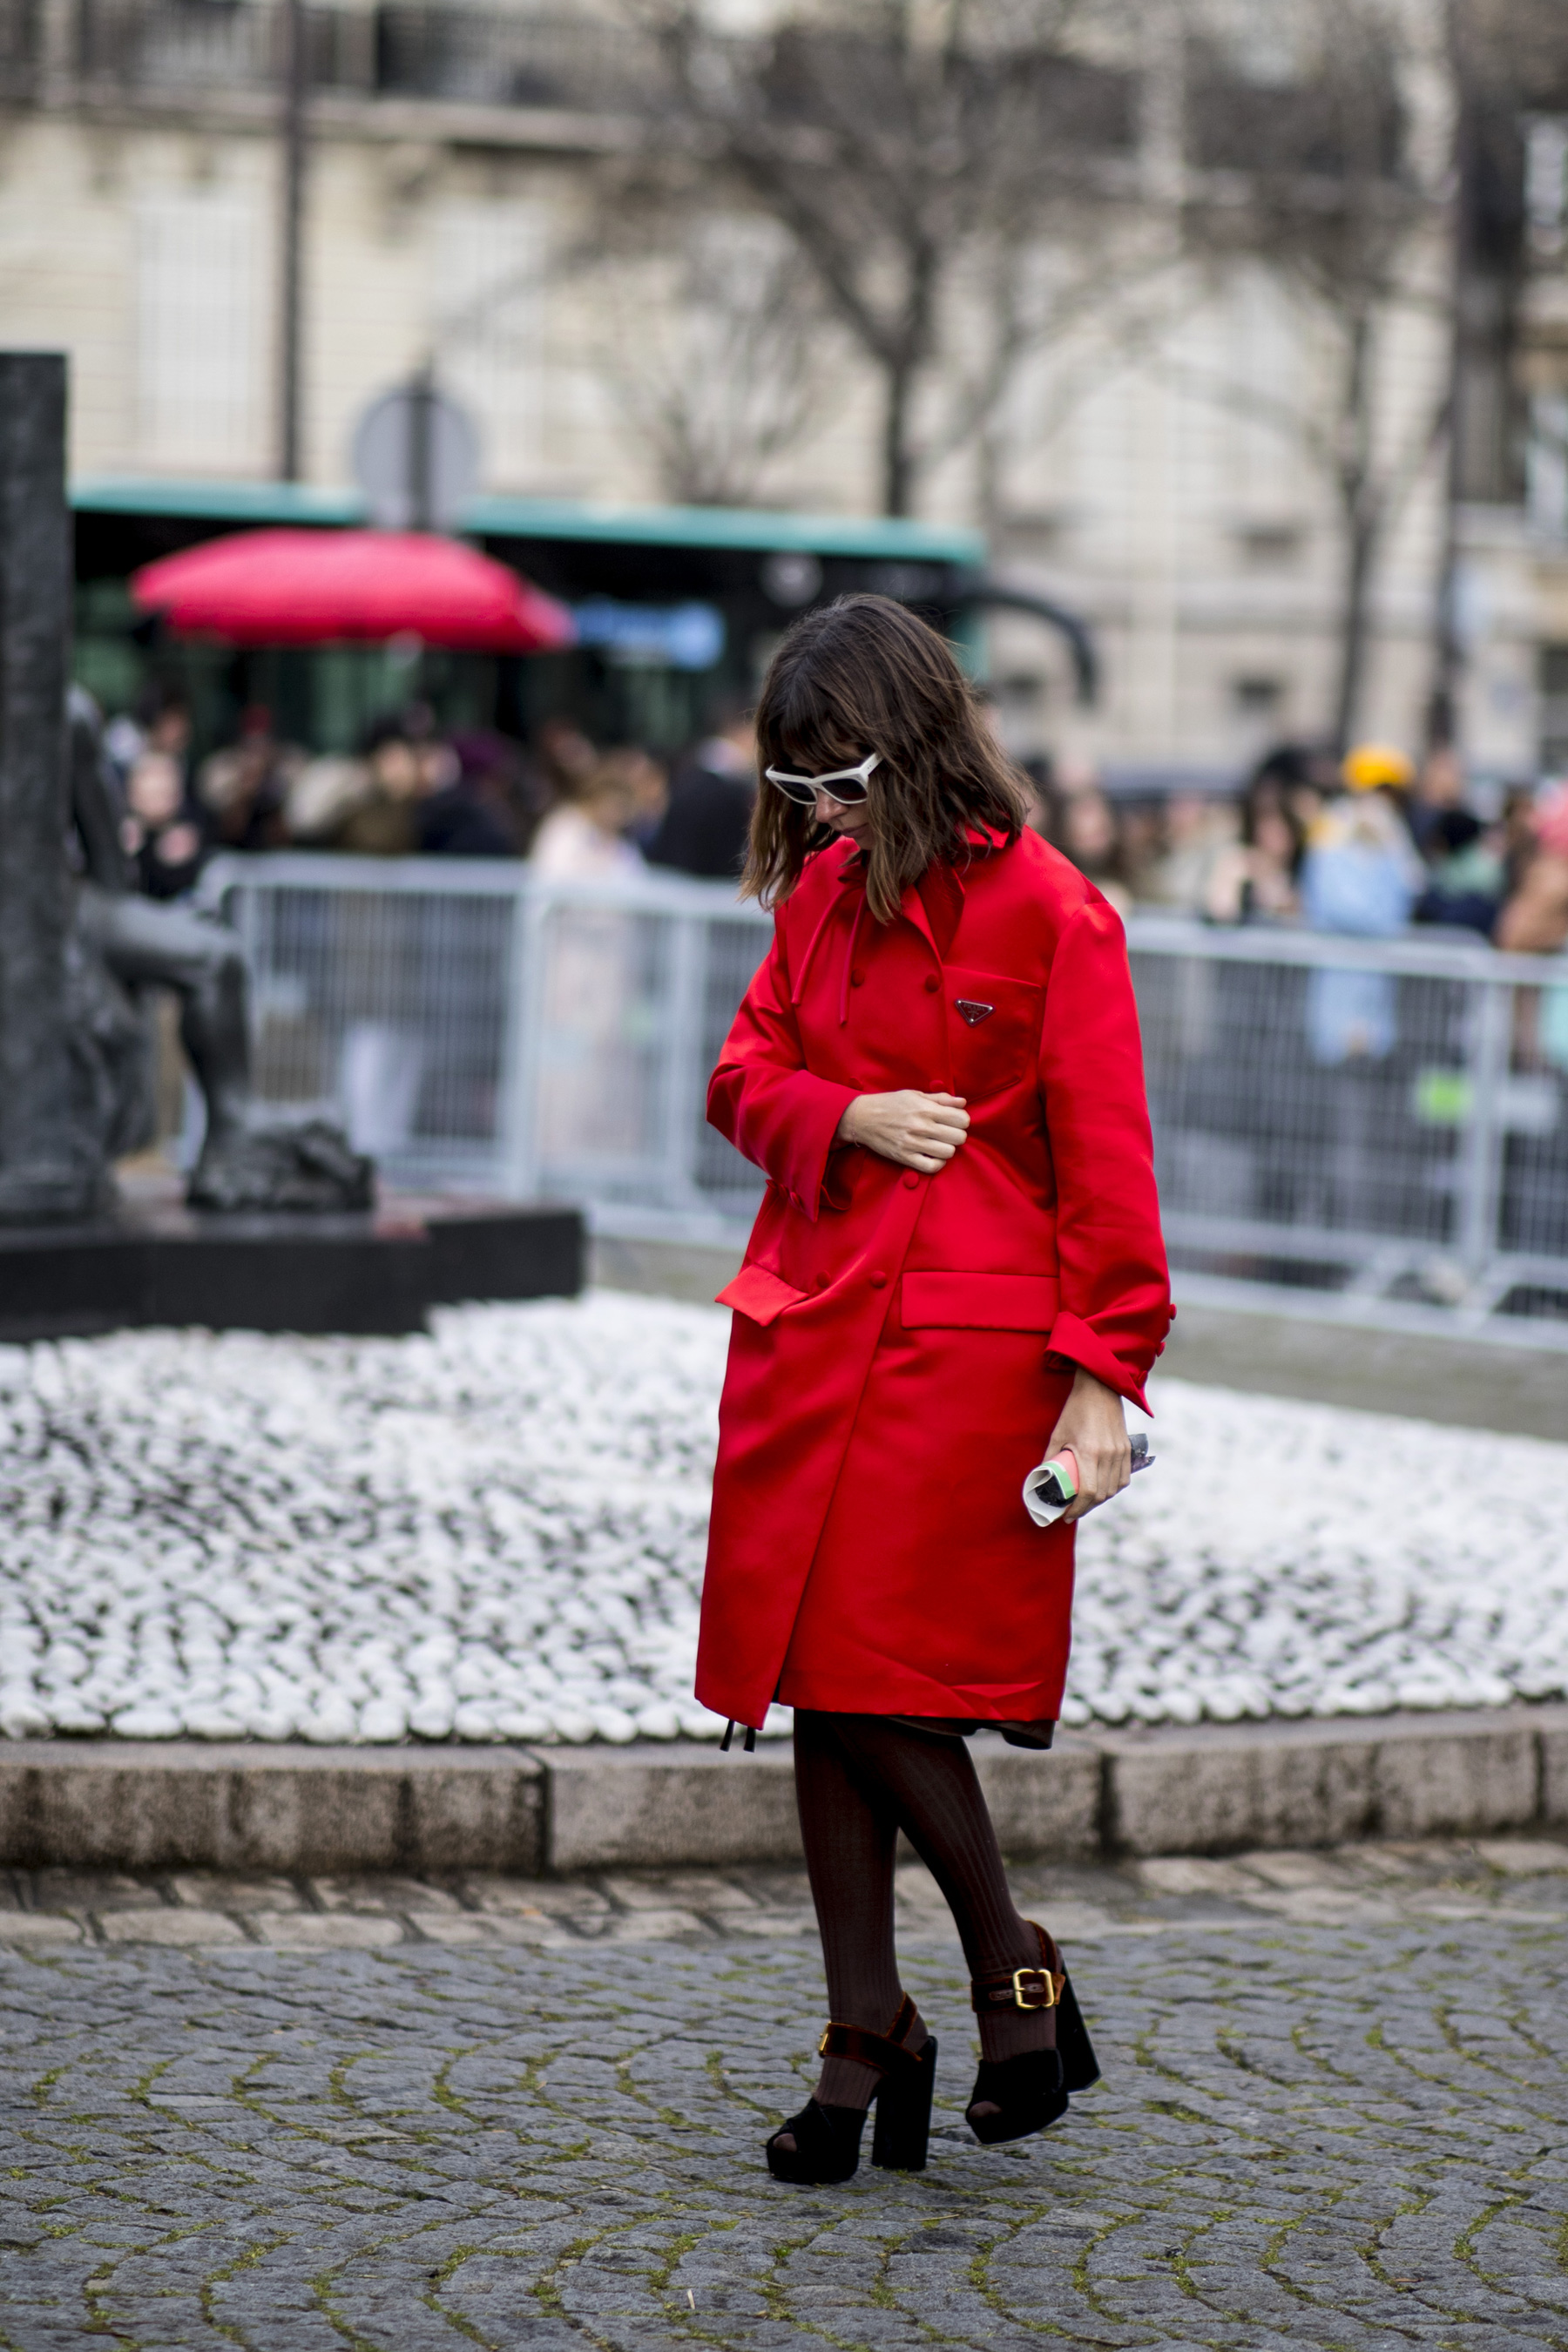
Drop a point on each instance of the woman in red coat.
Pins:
(956, 1268)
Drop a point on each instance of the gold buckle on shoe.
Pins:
(1035, 1980)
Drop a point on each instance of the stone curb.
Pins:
(151, 1804)
(1216, 1789)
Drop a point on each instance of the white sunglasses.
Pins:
(804, 790)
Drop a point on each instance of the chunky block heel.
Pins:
(1080, 2067)
(903, 2113)
(1025, 2094)
(828, 2139)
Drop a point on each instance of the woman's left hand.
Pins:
(1094, 1424)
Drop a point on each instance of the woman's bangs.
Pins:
(811, 731)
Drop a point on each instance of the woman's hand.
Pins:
(1095, 1426)
(912, 1130)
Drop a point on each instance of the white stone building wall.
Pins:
(1197, 537)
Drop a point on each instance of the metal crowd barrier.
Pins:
(477, 1027)
(1385, 1119)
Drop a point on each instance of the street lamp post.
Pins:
(295, 84)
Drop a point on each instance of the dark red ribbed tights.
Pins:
(858, 1779)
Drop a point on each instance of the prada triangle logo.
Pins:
(968, 1010)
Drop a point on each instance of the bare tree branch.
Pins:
(714, 350)
(1335, 210)
(904, 145)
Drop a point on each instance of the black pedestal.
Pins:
(376, 1273)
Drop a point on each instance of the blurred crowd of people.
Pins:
(1366, 846)
(415, 789)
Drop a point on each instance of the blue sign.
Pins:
(685, 636)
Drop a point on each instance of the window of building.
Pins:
(1554, 710)
(486, 315)
(1546, 182)
(1270, 546)
(199, 394)
(1546, 464)
(1254, 716)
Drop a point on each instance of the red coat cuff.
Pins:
(802, 1117)
(1080, 1344)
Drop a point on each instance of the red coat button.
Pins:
(932, 982)
(878, 1280)
(856, 980)
(910, 1181)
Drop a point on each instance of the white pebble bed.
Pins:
(497, 1533)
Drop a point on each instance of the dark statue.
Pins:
(79, 947)
(119, 945)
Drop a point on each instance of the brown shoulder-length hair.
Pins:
(865, 675)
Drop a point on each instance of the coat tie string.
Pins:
(848, 961)
(846, 873)
(798, 989)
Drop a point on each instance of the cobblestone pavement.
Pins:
(301, 2117)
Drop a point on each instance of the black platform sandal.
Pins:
(828, 2139)
(1030, 2091)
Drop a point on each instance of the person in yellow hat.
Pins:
(1378, 767)
(1361, 877)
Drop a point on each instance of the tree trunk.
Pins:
(898, 458)
(1465, 226)
(902, 369)
(1361, 550)
(1359, 510)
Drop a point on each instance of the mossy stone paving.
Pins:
(1344, 2134)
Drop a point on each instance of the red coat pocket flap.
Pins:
(758, 1293)
(979, 1302)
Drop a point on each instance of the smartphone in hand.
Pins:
(1049, 1489)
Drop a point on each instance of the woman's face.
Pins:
(851, 821)
(155, 791)
(394, 764)
(607, 804)
(1091, 827)
(1272, 836)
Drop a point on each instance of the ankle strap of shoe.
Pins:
(1026, 1989)
(882, 2051)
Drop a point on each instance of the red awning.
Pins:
(318, 587)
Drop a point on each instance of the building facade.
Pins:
(1157, 465)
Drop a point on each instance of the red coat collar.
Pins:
(934, 905)
(939, 895)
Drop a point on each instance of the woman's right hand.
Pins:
(913, 1130)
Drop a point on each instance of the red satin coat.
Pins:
(902, 1344)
